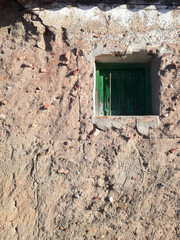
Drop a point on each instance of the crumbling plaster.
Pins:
(111, 18)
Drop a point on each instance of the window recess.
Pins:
(122, 89)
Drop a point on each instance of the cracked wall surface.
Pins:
(60, 176)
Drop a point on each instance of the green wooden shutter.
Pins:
(123, 89)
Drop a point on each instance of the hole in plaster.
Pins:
(81, 53)
(74, 51)
(63, 58)
(48, 38)
(9, 30)
(65, 36)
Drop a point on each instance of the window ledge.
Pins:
(143, 123)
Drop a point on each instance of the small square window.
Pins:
(122, 89)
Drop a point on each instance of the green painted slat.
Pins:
(99, 93)
(129, 107)
(106, 92)
(116, 92)
(97, 80)
(101, 87)
(140, 92)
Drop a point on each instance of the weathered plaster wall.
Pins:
(61, 178)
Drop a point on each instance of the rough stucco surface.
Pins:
(60, 177)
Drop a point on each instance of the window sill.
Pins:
(143, 123)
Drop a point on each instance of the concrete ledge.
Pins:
(143, 123)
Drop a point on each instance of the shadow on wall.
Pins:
(11, 11)
(155, 83)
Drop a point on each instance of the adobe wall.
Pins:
(61, 177)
